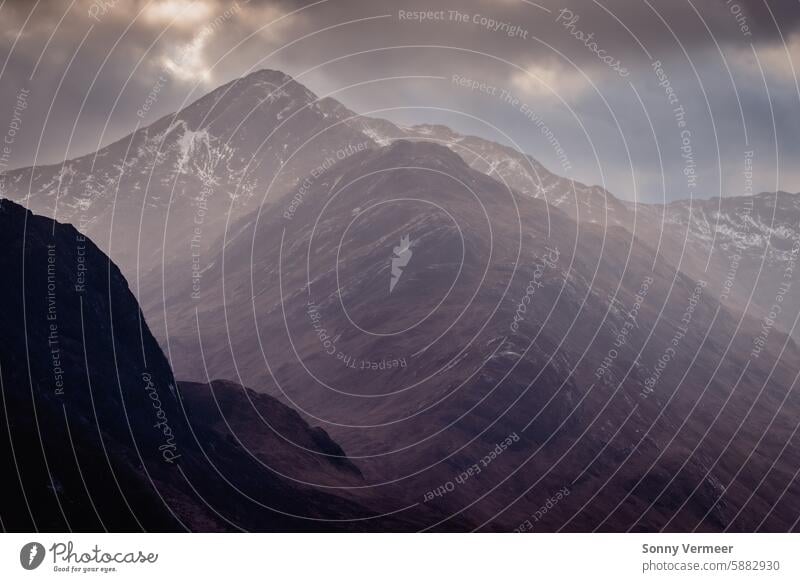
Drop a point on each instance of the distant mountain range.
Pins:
(164, 196)
(473, 332)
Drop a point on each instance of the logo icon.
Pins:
(31, 555)
(402, 255)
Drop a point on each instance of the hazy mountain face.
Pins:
(424, 335)
(745, 246)
(477, 333)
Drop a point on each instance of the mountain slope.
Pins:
(745, 246)
(423, 379)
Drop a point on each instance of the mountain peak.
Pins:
(272, 79)
(269, 75)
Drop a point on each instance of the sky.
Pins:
(655, 100)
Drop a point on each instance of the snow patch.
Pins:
(189, 144)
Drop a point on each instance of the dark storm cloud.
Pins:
(89, 81)
(769, 17)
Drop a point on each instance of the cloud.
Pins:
(779, 62)
(180, 13)
(549, 81)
